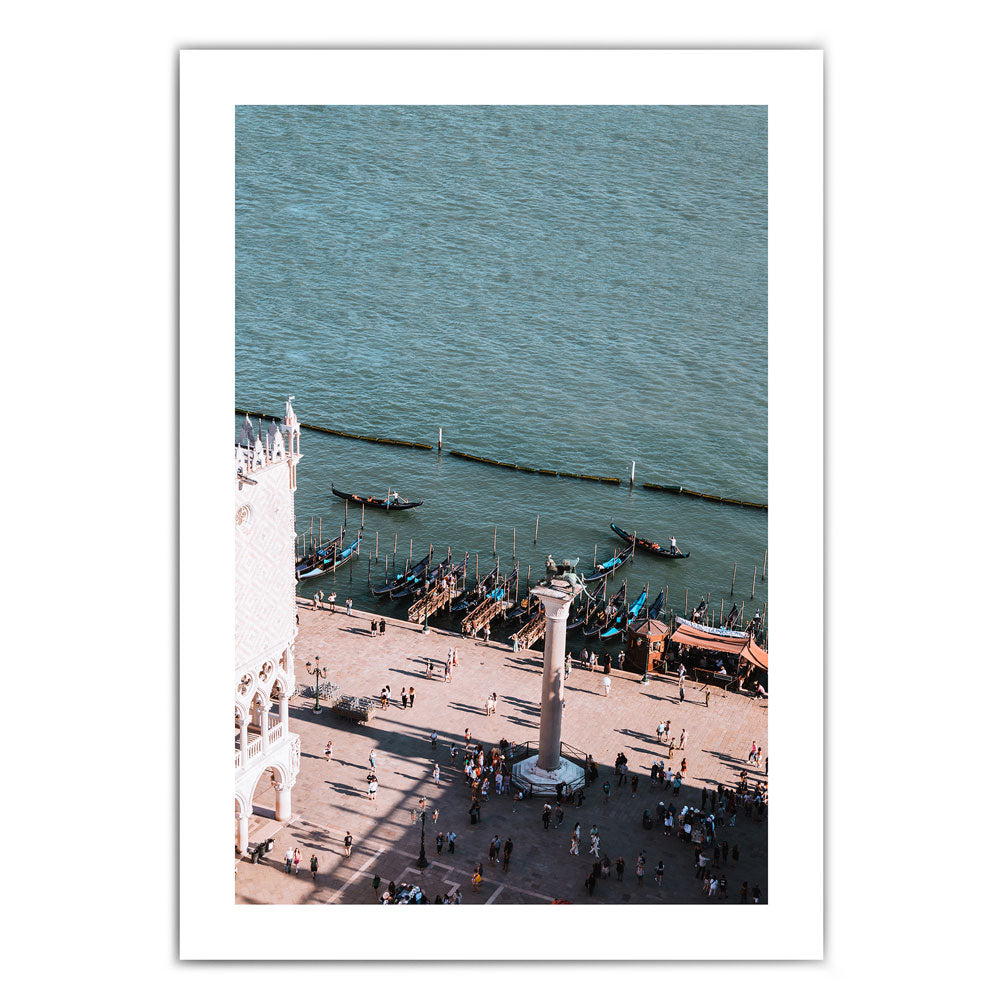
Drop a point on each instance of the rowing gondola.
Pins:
(612, 564)
(410, 575)
(653, 548)
(392, 502)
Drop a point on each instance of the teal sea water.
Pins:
(571, 288)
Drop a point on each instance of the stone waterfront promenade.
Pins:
(331, 798)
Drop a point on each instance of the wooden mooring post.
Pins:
(753, 582)
(763, 572)
(494, 539)
(732, 586)
(535, 542)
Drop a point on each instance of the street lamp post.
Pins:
(318, 672)
(422, 861)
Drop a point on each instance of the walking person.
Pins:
(328, 752)
(314, 866)
(381, 627)
(439, 841)
(297, 860)
(289, 858)
(606, 681)
(451, 842)
(640, 868)
(659, 874)
(680, 746)
(348, 840)
(437, 773)
(607, 792)
(402, 698)
(620, 867)
(411, 697)
(350, 605)
(574, 841)
(743, 892)
(374, 628)
(659, 732)
(376, 883)
(707, 693)
(508, 849)
(546, 815)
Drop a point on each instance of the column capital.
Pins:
(556, 596)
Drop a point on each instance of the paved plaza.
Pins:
(331, 798)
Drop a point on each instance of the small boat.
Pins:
(318, 556)
(588, 607)
(474, 595)
(431, 576)
(410, 575)
(699, 612)
(618, 625)
(392, 501)
(653, 611)
(336, 559)
(653, 548)
(617, 561)
(601, 618)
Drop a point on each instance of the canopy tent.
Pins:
(720, 640)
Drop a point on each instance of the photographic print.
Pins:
(516, 652)
(499, 389)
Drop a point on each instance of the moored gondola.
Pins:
(393, 501)
(600, 619)
(625, 618)
(612, 564)
(335, 560)
(318, 556)
(410, 575)
(653, 548)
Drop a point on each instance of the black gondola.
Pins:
(612, 564)
(653, 548)
(607, 614)
(431, 576)
(392, 501)
(590, 602)
(654, 609)
(401, 579)
(319, 555)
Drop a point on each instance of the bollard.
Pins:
(631, 478)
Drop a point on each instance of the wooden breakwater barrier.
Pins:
(683, 491)
(611, 480)
(398, 442)
(513, 466)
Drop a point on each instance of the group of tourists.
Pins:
(378, 627)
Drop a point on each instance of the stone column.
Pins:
(243, 836)
(244, 736)
(556, 599)
(283, 710)
(282, 802)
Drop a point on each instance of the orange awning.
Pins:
(689, 634)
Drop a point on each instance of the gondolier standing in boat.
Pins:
(673, 545)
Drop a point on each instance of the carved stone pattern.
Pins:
(265, 564)
(243, 517)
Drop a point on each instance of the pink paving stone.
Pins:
(330, 798)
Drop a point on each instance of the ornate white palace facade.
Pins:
(265, 616)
